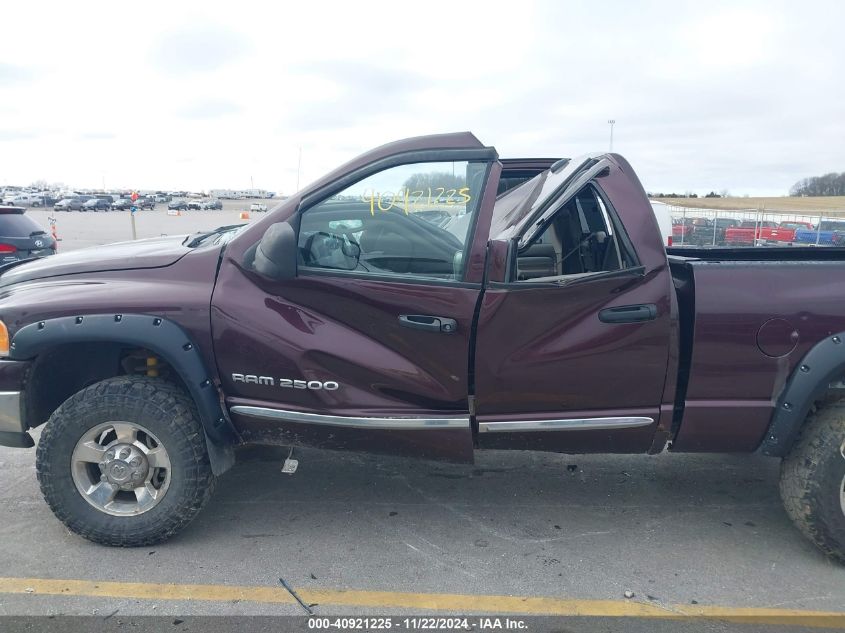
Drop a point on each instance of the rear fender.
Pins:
(821, 366)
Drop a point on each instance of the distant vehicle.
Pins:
(194, 205)
(749, 231)
(258, 206)
(162, 198)
(682, 230)
(70, 204)
(711, 232)
(96, 204)
(212, 205)
(106, 197)
(785, 232)
(145, 203)
(177, 205)
(829, 233)
(25, 200)
(122, 204)
(21, 237)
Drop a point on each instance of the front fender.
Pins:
(162, 336)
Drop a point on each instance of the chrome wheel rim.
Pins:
(121, 468)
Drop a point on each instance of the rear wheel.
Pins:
(123, 462)
(812, 483)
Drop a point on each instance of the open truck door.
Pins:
(575, 324)
(366, 346)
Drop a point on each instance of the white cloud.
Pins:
(740, 95)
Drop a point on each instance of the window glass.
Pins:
(413, 220)
(581, 238)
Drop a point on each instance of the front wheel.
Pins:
(124, 462)
(812, 483)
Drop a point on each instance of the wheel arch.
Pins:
(108, 333)
(810, 380)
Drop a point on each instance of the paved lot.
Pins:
(680, 531)
(565, 535)
(79, 230)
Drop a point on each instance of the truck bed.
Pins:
(746, 317)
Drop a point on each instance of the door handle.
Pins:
(629, 314)
(428, 323)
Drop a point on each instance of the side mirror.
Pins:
(275, 255)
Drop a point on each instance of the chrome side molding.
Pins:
(391, 423)
(583, 424)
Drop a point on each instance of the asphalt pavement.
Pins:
(680, 532)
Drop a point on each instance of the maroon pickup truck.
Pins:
(410, 303)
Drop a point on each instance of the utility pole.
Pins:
(612, 122)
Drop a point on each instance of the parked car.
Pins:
(194, 205)
(162, 198)
(706, 232)
(21, 237)
(828, 233)
(749, 231)
(212, 205)
(121, 204)
(145, 203)
(340, 325)
(70, 204)
(258, 206)
(95, 204)
(682, 229)
(177, 205)
(785, 231)
(25, 200)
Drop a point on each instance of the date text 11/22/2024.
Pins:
(417, 623)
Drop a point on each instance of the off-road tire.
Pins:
(811, 480)
(168, 412)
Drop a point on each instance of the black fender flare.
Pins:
(162, 336)
(822, 365)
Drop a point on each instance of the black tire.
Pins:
(170, 414)
(812, 479)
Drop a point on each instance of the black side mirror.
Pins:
(275, 255)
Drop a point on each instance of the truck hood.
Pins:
(150, 253)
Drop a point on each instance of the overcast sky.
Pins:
(745, 96)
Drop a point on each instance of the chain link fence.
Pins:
(754, 227)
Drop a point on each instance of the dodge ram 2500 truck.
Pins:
(408, 303)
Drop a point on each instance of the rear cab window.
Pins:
(583, 237)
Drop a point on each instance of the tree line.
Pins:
(656, 194)
(831, 184)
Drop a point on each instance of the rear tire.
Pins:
(812, 482)
(164, 417)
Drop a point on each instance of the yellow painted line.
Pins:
(461, 603)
